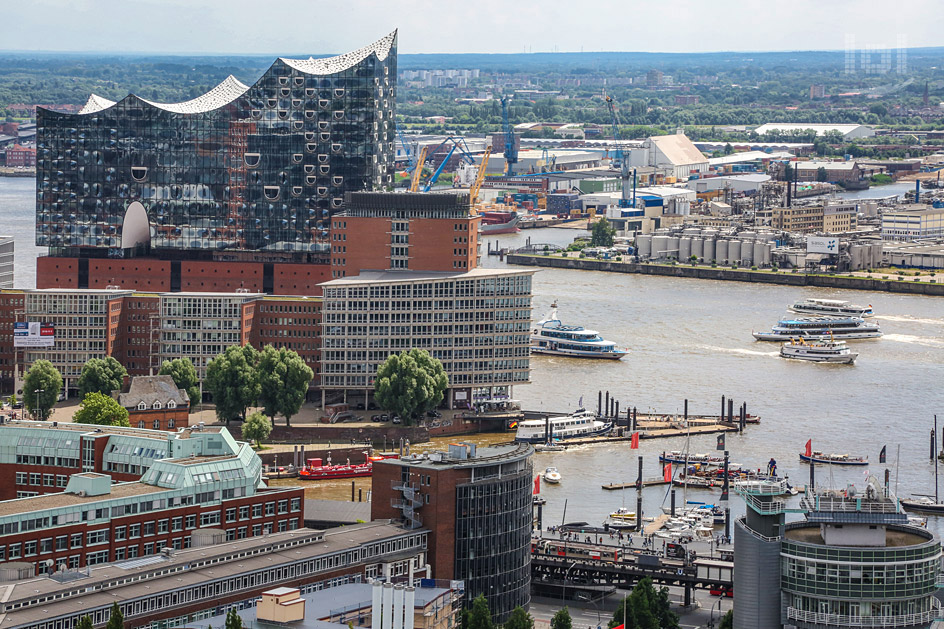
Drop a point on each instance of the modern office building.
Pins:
(6, 261)
(188, 480)
(182, 586)
(476, 323)
(476, 503)
(916, 221)
(854, 561)
(235, 188)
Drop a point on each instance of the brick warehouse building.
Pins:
(167, 485)
(476, 503)
(232, 190)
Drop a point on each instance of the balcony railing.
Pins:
(842, 620)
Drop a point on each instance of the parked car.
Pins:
(377, 418)
(360, 406)
(433, 413)
(396, 419)
(384, 417)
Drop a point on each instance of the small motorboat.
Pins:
(622, 518)
(835, 459)
(676, 456)
(552, 476)
(819, 351)
(549, 447)
(923, 504)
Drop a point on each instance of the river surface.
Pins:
(691, 339)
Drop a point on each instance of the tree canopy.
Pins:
(116, 620)
(257, 427)
(233, 620)
(231, 378)
(283, 380)
(645, 608)
(45, 378)
(102, 375)
(562, 620)
(519, 619)
(410, 383)
(85, 622)
(102, 410)
(602, 233)
(727, 621)
(480, 617)
(185, 377)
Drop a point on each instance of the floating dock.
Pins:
(649, 482)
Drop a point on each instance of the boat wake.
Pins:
(916, 340)
(735, 350)
(909, 319)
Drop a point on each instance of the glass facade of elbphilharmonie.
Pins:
(241, 168)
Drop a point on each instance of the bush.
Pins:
(619, 258)
(713, 265)
(796, 270)
(753, 268)
(583, 255)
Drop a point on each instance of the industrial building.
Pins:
(853, 561)
(707, 245)
(238, 184)
(916, 221)
(841, 172)
(848, 131)
(674, 151)
(6, 262)
(476, 503)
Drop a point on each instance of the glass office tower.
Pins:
(258, 168)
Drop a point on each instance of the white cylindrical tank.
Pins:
(672, 247)
(709, 254)
(685, 248)
(747, 236)
(721, 251)
(767, 249)
(877, 255)
(698, 247)
(758, 253)
(747, 253)
(734, 250)
(659, 245)
(644, 245)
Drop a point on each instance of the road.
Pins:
(592, 614)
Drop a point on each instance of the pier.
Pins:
(649, 482)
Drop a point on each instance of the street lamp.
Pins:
(711, 615)
(36, 401)
(566, 577)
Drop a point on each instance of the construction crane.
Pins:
(457, 143)
(511, 151)
(418, 170)
(479, 179)
(619, 160)
(548, 161)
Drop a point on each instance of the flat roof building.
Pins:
(848, 131)
(916, 221)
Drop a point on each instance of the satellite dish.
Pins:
(49, 563)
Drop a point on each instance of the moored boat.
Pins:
(821, 328)
(550, 336)
(317, 469)
(676, 456)
(831, 308)
(923, 504)
(549, 447)
(582, 423)
(494, 222)
(834, 459)
(819, 351)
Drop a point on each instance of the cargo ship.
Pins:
(494, 222)
(317, 469)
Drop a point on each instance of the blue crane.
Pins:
(620, 159)
(457, 143)
(511, 150)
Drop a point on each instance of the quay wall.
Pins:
(739, 275)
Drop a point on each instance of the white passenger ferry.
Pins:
(550, 336)
(831, 308)
(819, 351)
(583, 423)
(821, 329)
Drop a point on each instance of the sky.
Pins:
(287, 27)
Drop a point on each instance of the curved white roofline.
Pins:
(226, 92)
(331, 65)
(95, 103)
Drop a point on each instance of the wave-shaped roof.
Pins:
(96, 103)
(331, 65)
(226, 92)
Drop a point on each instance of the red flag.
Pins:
(634, 443)
(667, 472)
(537, 484)
(809, 448)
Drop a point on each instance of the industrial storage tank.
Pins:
(859, 255)
(747, 236)
(765, 259)
(747, 253)
(709, 253)
(691, 231)
(672, 247)
(644, 245)
(734, 250)
(758, 253)
(698, 248)
(877, 255)
(685, 248)
(659, 245)
(721, 251)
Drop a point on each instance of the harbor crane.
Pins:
(620, 159)
(418, 170)
(479, 180)
(511, 150)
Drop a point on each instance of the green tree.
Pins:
(103, 375)
(116, 620)
(283, 380)
(232, 380)
(257, 427)
(44, 378)
(233, 620)
(519, 619)
(480, 617)
(645, 608)
(727, 621)
(410, 383)
(821, 174)
(85, 622)
(562, 620)
(601, 234)
(102, 410)
(185, 377)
